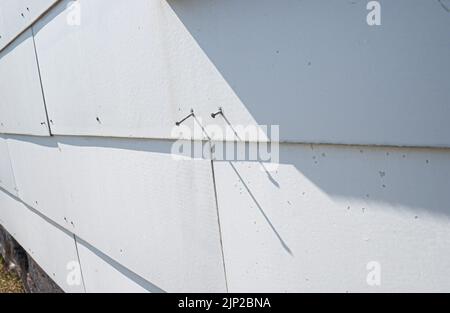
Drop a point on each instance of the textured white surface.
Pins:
(17, 15)
(22, 109)
(131, 200)
(328, 211)
(317, 69)
(102, 274)
(51, 247)
(6, 174)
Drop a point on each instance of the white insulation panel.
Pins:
(116, 83)
(18, 15)
(317, 69)
(316, 222)
(22, 108)
(131, 200)
(102, 274)
(49, 245)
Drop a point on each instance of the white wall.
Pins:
(22, 108)
(103, 274)
(113, 87)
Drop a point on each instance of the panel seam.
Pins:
(79, 262)
(16, 187)
(40, 81)
(30, 24)
(218, 222)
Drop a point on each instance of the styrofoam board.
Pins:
(131, 200)
(317, 70)
(49, 245)
(18, 15)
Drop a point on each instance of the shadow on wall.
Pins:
(148, 286)
(400, 178)
(308, 61)
(285, 57)
(14, 44)
(58, 142)
(410, 181)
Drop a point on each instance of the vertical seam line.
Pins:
(16, 187)
(79, 262)
(40, 81)
(218, 222)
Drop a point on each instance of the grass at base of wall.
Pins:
(9, 282)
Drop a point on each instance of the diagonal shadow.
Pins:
(283, 243)
(119, 267)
